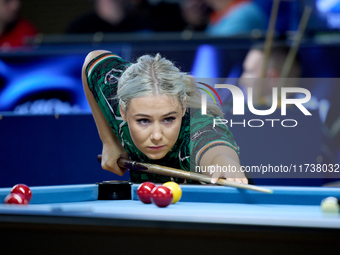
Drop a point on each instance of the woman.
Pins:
(150, 111)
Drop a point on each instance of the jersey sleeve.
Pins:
(102, 75)
(204, 136)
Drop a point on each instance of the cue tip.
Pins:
(260, 189)
(243, 186)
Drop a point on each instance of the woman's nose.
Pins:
(156, 134)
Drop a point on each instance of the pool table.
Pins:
(108, 217)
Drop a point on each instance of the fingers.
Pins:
(238, 180)
(110, 156)
(112, 166)
(216, 175)
(120, 171)
(114, 169)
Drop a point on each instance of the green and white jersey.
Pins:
(196, 136)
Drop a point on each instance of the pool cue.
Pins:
(295, 46)
(173, 172)
(268, 44)
(269, 37)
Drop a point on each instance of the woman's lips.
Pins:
(156, 148)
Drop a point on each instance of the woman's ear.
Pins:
(122, 113)
(184, 106)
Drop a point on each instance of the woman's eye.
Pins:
(169, 120)
(143, 121)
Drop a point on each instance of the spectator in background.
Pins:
(235, 17)
(195, 14)
(112, 16)
(323, 96)
(252, 68)
(13, 28)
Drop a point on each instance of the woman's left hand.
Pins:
(239, 177)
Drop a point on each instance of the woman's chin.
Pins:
(155, 156)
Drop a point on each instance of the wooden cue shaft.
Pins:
(172, 172)
(269, 36)
(267, 46)
(295, 45)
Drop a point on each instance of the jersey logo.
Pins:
(198, 134)
(110, 78)
(182, 159)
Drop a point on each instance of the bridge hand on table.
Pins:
(217, 175)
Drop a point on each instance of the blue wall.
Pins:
(45, 150)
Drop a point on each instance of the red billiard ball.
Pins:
(144, 192)
(161, 196)
(15, 198)
(24, 190)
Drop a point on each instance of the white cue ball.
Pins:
(330, 205)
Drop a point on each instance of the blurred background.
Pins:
(47, 132)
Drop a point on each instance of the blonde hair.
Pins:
(159, 76)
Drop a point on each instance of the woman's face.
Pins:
(154, 123)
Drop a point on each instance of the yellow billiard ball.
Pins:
(176, 191)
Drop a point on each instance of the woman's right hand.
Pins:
(110, 155)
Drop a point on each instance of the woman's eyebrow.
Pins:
(169, 113)
(141, 115)
(146, 115)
